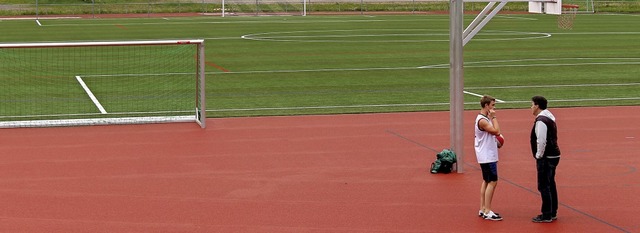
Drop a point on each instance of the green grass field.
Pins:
(355, 64)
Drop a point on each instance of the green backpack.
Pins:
(444, 162)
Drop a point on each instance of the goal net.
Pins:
(99, 83)
(263, 7)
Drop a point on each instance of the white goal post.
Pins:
(102, 83)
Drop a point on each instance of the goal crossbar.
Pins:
(100, 43)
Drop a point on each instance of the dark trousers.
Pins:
(547, 186)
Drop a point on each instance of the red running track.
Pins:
(334, 173)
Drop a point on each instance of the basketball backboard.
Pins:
(546, 7)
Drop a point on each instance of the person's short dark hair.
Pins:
(540, 101)
(486, 100)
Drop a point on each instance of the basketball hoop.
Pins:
(565, 20)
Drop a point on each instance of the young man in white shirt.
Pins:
(486, 147)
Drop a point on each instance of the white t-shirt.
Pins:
(485, 143)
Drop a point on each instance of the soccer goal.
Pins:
(264, 7)
(102, 83)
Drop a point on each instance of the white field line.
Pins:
(478, 95)
(498, 64)
(405, 105)
(283, 36)
(559, 86)
(314, 70)
(93, 97)
(328, 107)
(287, 36)
(552, 65)
(185, 22)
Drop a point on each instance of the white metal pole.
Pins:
(478, 18)
(304, 7)
(203, 101)
(476, 28)
(456, 82)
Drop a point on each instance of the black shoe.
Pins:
(492, 216)
(541, 219)
(481, 214)
(554, 217)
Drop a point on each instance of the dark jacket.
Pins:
(551, 149)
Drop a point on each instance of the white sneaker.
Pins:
(480, 214)
(492, 216)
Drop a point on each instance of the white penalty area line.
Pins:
(478, 95)
(93, 97)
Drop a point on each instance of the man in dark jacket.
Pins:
(544, 146)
